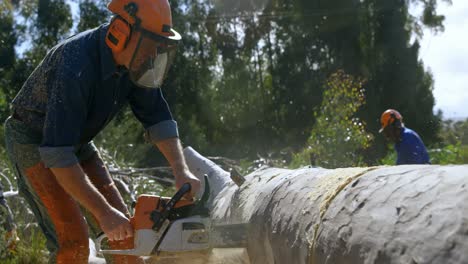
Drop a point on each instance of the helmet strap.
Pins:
(132, 8)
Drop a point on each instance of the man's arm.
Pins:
(65, 118)
(152, 110)
(113, 222)
(172, 150)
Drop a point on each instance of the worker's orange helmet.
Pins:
(151, 15)
(389, 117)
(157, 40)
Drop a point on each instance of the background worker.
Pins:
(408, 145)
(70, 97)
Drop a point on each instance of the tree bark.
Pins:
(396, 214)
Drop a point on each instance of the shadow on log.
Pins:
(398, 214)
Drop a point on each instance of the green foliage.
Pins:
(30, 249)
(92, 14)
(249, 75)
(389, 159)
(338, 136)
(454, 132)
(52, 23)
(452, 149)
(450, 154)
(8, 39)
(243, 81)
(7, 35)
(123, 140)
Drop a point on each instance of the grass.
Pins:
(449, 154)
(30, 249)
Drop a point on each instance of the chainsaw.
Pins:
(167, 225)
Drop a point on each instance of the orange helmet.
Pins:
(152, 15)
(156, 43)
(389, 117)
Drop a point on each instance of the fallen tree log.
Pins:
(397, 214)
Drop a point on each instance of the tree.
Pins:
(92, 14)
(8, 39)
(249, 72)
(338, 135)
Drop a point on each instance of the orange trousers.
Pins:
(62, 219)
(64, 223)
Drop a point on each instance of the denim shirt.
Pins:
(77, 90)
(411, 149)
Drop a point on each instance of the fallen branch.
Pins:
(166, 178)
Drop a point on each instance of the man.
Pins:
(75, 91)
(408, 145)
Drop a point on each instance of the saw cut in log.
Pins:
(396, 214)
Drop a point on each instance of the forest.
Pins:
(281, 83)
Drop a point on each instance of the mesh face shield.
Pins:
(151, 60)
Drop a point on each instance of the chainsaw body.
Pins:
(167, 225)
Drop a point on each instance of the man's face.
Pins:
(392, 133)
(151, 61)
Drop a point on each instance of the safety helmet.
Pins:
(389, 117)
(156, 45)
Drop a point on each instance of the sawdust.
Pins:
(216, 256)
(328, 187)
(32, 101)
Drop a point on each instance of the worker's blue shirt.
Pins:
(77, 90)
(411, 149)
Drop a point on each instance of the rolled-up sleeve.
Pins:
(58, 157)
(65, 118)
(152, 110)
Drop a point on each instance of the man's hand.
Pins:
(184, 176)
(113, 222)
(115, 225)
(172, 150)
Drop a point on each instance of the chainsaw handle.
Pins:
(206, 192)
(186, 187)
(159, 218)
(98, 242)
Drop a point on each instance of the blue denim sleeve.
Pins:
(152, 110)
(65, 118)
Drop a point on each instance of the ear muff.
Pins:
(118, 34)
